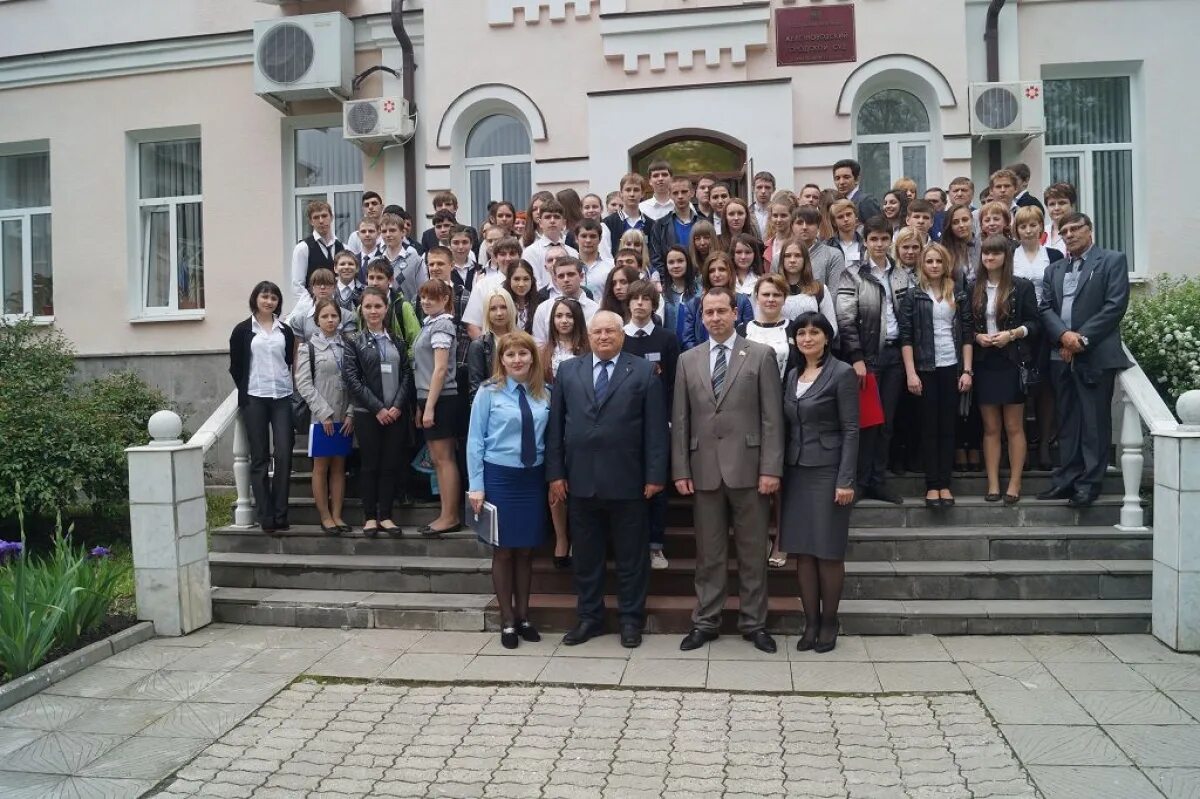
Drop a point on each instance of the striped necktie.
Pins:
(718, 375)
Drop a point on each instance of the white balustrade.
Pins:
(243, 512)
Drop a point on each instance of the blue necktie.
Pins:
(528, 443)
(602, 382)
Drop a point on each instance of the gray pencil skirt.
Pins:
(811, 523)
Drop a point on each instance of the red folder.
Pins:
(870, 408)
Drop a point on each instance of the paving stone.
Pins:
(1154, 746)
(1073, 782)
(1033, 707)
(1176, 783)
(1055, 745)
(847, 677)
(920, 677)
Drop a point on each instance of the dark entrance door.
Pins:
(694, 155)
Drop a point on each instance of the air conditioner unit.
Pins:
(303, 57)
(1007, 109)
(376, 119)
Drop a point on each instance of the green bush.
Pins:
(63, 442)
(50, 602)
(1162, 329)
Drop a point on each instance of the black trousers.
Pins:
(874, 443)
(379, 447)
(269, 427)
(939, 418)
(623, 522)
(1084, 427)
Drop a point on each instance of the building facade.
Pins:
(145, 187)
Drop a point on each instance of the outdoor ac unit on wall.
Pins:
(1007, 109)
(304, 57)
(376, 119)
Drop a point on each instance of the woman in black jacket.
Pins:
(1006, 317)
(260, 362)
(379, 378)
(936, 331)
(499, 314)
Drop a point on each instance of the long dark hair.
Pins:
(1004, 286)
(755, 246)
(610, 301)
(531, 226)
(572, 208)
(670, 296)
(902, 198)
(807, 283)
(579, 338)
(533, 298)
(959, 249)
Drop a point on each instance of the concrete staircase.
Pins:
(977, 568)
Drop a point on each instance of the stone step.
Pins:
(968, 511)
(908, 485)
(554, 613)
(866, 543)
(977, 579)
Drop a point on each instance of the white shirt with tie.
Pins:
(713, 344)
(596, 367)
(634, 331)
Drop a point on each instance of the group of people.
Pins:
(575, 363)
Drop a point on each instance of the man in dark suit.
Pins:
(727, 449)
(674, 228)
(846, 174)
(1084, 297)
(606, 454)
(1023, 197)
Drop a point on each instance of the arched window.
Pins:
(497, 163)
(892, 136)
(695, 154)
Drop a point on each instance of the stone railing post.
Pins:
(1176, 587)
(1132, 460)
(243, 510)
(169, 529)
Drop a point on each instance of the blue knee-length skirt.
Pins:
(519, 495)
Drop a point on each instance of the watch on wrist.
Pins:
(969, 372)
(1085, 341)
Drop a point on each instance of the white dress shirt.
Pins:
(762, 215)
(892, 326)
(535, 255)
(269, 376)
(596, 360)
(632, 330)
(300, 262)
(541, 317)
(654, 209)
(484, 285)
(712, 353)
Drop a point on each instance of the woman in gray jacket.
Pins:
(820, 405)
(318, 375)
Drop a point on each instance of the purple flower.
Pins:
(10, 549)
(100, 552)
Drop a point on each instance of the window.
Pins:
(696, 155)
(893, 140)
(171, 231)
(498, 164)
(1089, 144)
(26, 278)
(329, 168)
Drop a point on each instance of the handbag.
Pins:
(301, 413)
(870, 407)
(964, 403)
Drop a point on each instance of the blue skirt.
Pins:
(520, 499)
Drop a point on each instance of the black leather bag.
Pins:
(301, 413)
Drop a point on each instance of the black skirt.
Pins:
(997, 379)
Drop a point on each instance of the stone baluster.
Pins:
(169, 529)
(1175, 615)
(1132, 459)
(243, 511)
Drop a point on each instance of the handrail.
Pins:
(1149, 403)
(216, 424)
(210, 432)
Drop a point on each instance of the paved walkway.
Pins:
(422, 714)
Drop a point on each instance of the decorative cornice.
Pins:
(169, 55)
(503, 12)
(684, 32)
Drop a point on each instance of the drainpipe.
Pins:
(991, 38)
(408, 84)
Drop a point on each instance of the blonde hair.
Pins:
(508, 306)
(946, 290)
(905, 184)
(519, 340)
(838, 207)
(1028, 213)
(634, 239)
(904, 234)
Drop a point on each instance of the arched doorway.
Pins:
(892, 137)
(694, 154)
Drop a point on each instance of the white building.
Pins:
(145, 187)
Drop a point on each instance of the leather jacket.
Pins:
(1022, 310)
(858, 304)
(364, 380)
(916, 328)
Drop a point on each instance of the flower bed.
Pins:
(1162, 329)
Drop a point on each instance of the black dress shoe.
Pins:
(1081, 499)
(762, 641)
(581, 633)
(1061, 492)
(282, 526)
(883, 495)
(528, 632)
(947, 502)
(562, 562)
(631, 636)
(696, 639)
(807, 640)
(331, 529)
(936, 502)
(991, 497)
(345, 528)
(508, 638)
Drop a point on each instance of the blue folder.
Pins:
(323, 446)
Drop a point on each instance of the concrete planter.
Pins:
(56, 671)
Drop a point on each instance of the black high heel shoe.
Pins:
(821, 647)
(528, 632)
(809, 639)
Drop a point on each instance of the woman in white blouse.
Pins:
(804, 292)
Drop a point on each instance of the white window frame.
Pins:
(1085, 153)
(138, 231)
(461, 166)
(495, 166)
(294, 226)
(897, 142)
(25, 217)
(931, 140)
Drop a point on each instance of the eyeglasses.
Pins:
(1073, 229)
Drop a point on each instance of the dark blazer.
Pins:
(661, 350)
(1100, 303)
(616, 229)
(661, 238)
(1027, 199)
(867, 206)
(239, 355)
(480, 353)
(614, 449)
(916, 327)
(1022, 310)
(364, 380)
(822, 426)
(429, 240)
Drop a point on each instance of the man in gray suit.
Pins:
(1084, 298)
(727, 450)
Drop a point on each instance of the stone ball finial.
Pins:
(1188, 408)
(165, 427)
